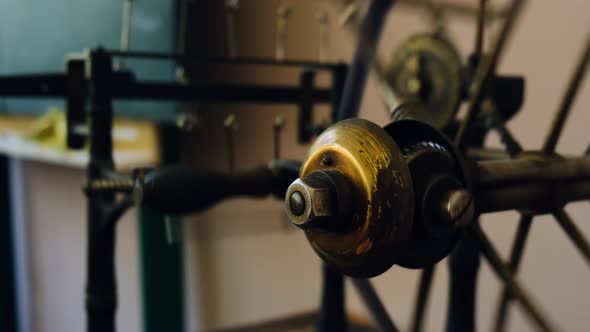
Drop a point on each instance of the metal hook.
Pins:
(230, 125)
(231, 8)
(278, 126)
(284, 12)
(125, 29)
(324, 21)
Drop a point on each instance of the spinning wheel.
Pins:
(416, 197)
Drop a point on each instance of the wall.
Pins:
(55, 239)
(245, 264)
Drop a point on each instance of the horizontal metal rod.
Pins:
(33, 85)
(54, 86)
(497, 173)
(480, 154)
(223, 60)
(533, 185)
(457, 8)
(223, 93)
(538, 199)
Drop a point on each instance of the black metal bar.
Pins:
(8, 300)
(534, 185)
(422, 299)
(101, 292)
(374, 304)
(504, 273)
(568, 99)
(76, 91)
(123, 87)
(230, 93)
(332, 314)
(570, 228)
(485, 73)
(370, 31)
(339, 75)
(464, 265)
(305, 127)
(495, 174)
(522, 232)
(223, 60)
(34, 85)
(457, 8)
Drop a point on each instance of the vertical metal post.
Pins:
(162, 273)
(305, 130)
(8, 320)
(339, 74)
(464, 264)
(101, 292)
(422, 299)
(332, 315)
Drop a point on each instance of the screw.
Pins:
(324, 21)
(458, 207)
(284, 12)
(278, 126)
(230, 125)
(231, 7)
(326, 160)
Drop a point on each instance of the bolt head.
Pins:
(458, 207)
(309, 200)
(297, 203)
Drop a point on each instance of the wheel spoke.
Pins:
(514, 287)
(522, 232)
(573, 232)
(374, 304)
(422, 298)
(485, 72)
(481, 23)
(568, 99)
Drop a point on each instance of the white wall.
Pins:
(55, 217)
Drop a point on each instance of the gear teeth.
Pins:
(413, 148)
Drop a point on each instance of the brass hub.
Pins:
(377, 222)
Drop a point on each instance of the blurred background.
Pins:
(241, 261)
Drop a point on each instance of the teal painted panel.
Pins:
(36, 35)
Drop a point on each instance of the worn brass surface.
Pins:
(426, 69)
(380, 220)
